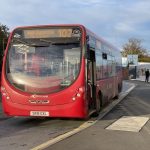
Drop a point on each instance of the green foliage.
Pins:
(144, 59)
(4, 33)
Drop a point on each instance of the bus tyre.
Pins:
(99, 105)
(119, 90)
(120, 87)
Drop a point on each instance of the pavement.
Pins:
(140, 78)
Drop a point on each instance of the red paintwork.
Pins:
(60, 103)
(65, 110)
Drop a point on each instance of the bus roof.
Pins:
(68, 25)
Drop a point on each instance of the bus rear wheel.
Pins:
(119, 90)
(99, 105)
(120, 87)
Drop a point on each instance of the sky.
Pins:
(114, 20)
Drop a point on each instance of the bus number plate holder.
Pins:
(39, 113)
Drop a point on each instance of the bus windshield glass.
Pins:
(44, 60)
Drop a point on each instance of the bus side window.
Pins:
(105, 68)
(113, 66)
(109, 65)
(98, 64)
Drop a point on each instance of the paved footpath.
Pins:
(125, 127)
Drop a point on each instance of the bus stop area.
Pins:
(123, 124)
(125, 127)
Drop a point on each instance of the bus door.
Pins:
(91, 74)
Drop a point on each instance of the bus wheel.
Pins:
(119, 90)
(98, 106)
(120, 87)
(100, 100)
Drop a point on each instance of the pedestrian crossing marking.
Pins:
(129, 123)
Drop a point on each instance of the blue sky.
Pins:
(114, 20)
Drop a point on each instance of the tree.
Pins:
(133, 47)
(4, 33)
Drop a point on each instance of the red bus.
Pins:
(58, 71)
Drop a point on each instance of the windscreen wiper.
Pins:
(47, 41)
(31, 44)
(57, 43)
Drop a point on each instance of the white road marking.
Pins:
(66, 135)
(86, 124)
(128, 123)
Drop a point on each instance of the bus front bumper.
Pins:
(75, 109)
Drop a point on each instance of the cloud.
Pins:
(124, 27)
(114, 20)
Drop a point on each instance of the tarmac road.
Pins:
(97, 137)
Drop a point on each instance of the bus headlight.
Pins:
(4, 93)
(78, 94)
(73, 98)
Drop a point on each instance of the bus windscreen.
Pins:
(44, 60)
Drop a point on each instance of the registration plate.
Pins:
(39, 113)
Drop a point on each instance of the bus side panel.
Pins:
(107, 88)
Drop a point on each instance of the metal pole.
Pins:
(135, 72)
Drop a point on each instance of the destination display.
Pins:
(50, 33)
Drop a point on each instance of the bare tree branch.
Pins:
(133, 46)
